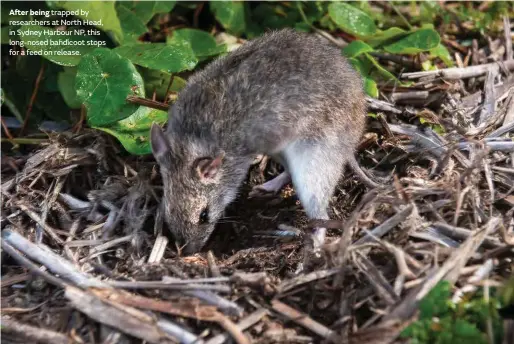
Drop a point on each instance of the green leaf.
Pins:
(381, 71)
(302, 27)
(356, 48)
(134, 132)
(142, 119)
(418, 331)
(362, 64)
(158, 81)
(370, 86)
(49, 102)
(507, 291)
(172, 58)
(427, 26)
(162, 6)
(375, 13)
(131, 25)
(12, 107)
(464, 330)
(427, 65)
(135, 15)
(101, 14)
(5, 34)
(202, 43)
(53, 105)
(15, 81)
(230, 14)
(351, 20)
(384, 37)
(49, 82)
(58, 49)
(66, 85)
(438, 129)
(327, 23)
(312, 11)
(435, 303)
(274, 15)
(443, 322)
(418, 41)
(104, 80)
(428, 11)
(145, 10)
(443, 53)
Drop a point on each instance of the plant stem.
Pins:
(300, 9)
(147, 102)
(32, 98)
(24, 141)
(405, 21)
(6, 129)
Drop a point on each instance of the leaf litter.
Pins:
(87, 258)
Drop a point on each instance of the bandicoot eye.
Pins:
(204, 216)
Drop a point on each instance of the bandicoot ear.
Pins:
(160, 144)
(208, 168)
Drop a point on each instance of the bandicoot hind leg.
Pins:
(315, 167)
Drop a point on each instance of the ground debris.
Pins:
(86, 255)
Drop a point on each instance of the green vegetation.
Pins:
(148, 48)
(152, 43)
(443, 322)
